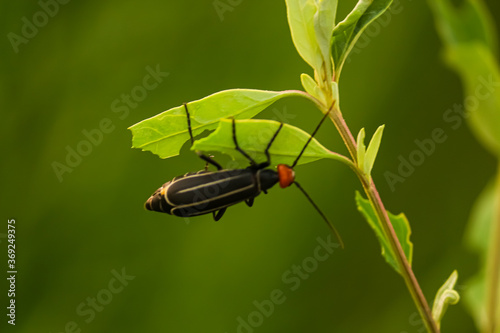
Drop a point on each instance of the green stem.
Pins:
(493, 268)
(374, 197)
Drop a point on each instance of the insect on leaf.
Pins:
(253, 136)
(165, 133)
(399, 223)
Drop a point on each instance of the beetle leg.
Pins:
(189, 123)
(209, 160)
(206, 158)
(249, 202)
(218, 215)
(268, 162)
(252, 161)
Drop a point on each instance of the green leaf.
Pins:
(445, 296)
(470, 47)
(475, 298)
(347, 32)
(165, 133)
(401, 227)
(301, 19)
(366, 157)
(478, 238)
(480, 221)
(371, 152)
(311, 86)
(361, 148)
(254, 135)
(471, 23)
(324, 23)
(311, 24)
(479, 70)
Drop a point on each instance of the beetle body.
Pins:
(209, 192)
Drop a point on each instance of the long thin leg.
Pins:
(252, 161)
(209, 160)
(189, 123)
(218, 215)
(268, 162)
(200, 154)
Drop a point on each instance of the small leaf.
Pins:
(253, 136)
(347, 32)
(371, 152)
(310, 86)
(361, 148)
(401, 227)
(446, 295)
(165, 133)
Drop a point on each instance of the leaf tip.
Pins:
(446, 295)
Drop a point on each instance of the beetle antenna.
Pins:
(189, 123)
(311, 137)
(330, 224)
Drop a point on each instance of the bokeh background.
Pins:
(76, 233)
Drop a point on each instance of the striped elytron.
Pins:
(207, 192)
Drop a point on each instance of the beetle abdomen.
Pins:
(157, 202)
(204, 192)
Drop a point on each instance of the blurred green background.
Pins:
(77, 232)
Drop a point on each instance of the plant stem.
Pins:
(374, 197)
(493, 267)
(345, 133)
